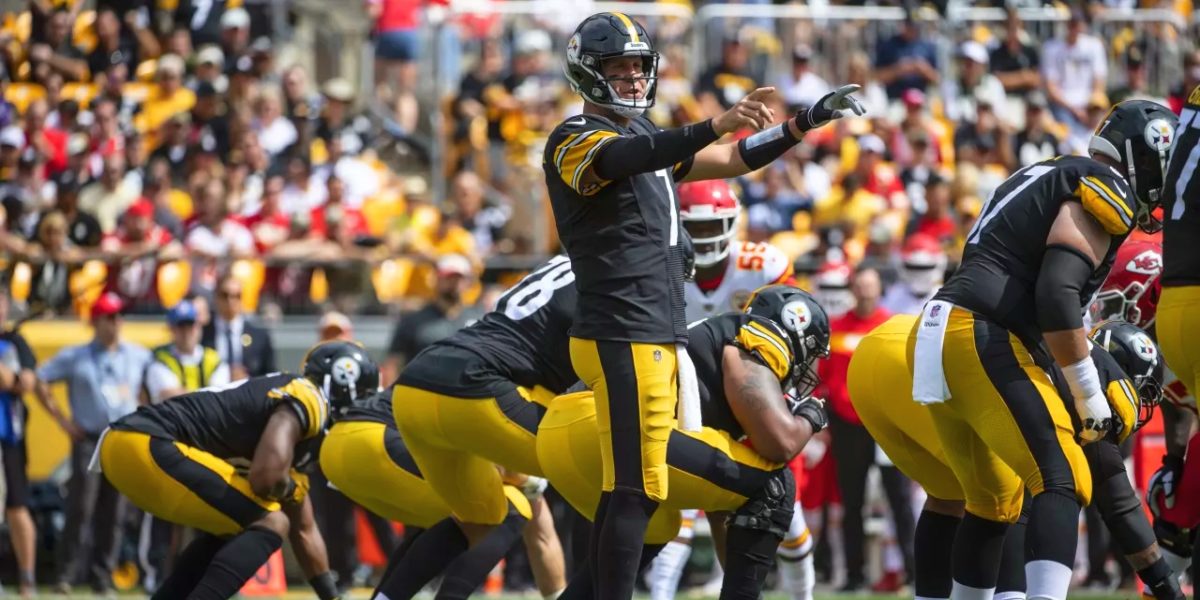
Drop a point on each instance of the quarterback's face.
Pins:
(627, 76)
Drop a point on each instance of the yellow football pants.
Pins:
(1178, 329)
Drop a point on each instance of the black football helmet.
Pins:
(343, 370)
(603, 36)
(806, 324)
(1139, 134)
(1139, 357)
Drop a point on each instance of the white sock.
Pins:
(1009, 595)
(799, 540)
(798, 577)
(1047, 580)
(966, 592)
(666, 569)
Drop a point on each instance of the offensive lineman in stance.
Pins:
(175, 460)
(986, 345)
(611, 176)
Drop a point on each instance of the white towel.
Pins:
(94, 464)
(688, 411)
(929, 379)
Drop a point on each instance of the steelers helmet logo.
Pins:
(346, 371)
(573, 49)
(796, 316)
(1159, 135)
(1145, 348)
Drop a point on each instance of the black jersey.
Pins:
(624, 238)
(1004, 249)
(524, 341)
(707, 339)
(376, 408)
(1181, 200)
(228, 420)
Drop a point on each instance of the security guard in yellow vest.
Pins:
(179, 367)
(183, 365)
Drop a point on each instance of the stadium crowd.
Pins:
(159, 153)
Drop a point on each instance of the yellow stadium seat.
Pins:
(381, 210)
(23, 94)
(83, 33)
(318, 286)
(391, 279)
(252, 274)
(794, 244)
(317, 152)
(22, 281)
(145, 70)
(180, 203)
(83, 93)
(86, 285)
(172, 281)
(425, 220)
(137, 91)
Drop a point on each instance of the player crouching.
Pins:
(175, 460)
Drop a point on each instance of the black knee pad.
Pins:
(1121, 510)
(771, 508)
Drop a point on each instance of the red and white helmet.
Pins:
(709, 211)
(832, 283)
(922, 263)
(1131, 291)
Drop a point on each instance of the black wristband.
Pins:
(325, 586)
(762, 148)
(814, 413)
(1174, 463)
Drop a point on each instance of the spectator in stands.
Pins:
(83, 229)
(1015, 61)
(48, 141)
(56, 53)
(136, 249)
(174, 145)
(53, 257)
(106, 131)
(336, 120)
(802, 87)
(169, 98)
(272, 224)
(937, 221)
(214, 234)
(157, 188)
(301, 193)
(112, 82)
(807, 176)
(1191, 79)
(361, 181)
(397, 48)
(1137, 81)
(17, 366)
(907, 60)
(986, 140)
(773, 203)
(243, 345)
(873, 95)
(207, 22)
(209, 119)
(235, 35)
(851, 444)
(485, 220)
(300, 104)
(478, 91)
(276, 132)
(1074, 68)
(960, 94)
(1078, 138)
(8, 112)
(103, 379)
(12, 141)
(109, 197)
(112, 47)
(209, 69)
(1035, 142)
(726, 82)
(179, 42)
(438, 319)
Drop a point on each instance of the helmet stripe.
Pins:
(630, 28)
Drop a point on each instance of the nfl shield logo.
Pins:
(658, 356)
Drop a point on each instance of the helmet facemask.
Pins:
(712, 232)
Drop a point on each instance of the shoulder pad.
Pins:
(1106, 196)
(574, 145)
(310, 403)
(768, 342)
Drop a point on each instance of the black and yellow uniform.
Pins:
(191, 377)
(707, 469)
(624, 239)
(1178, 321)
(880, 380)
(1004, 407)
(364, 457)
(175, 460)
(475, 399)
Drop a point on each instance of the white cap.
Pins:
(871, 143)
(531, 41)
(210, 54)
(12, 136)
(338, 89)
(973, 51)
(453, 264)
(235, 17)
(171, 63)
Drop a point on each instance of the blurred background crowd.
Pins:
(289, 160)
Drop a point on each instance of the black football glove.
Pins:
(831, 106)
(810, 408)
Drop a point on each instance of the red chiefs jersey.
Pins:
(847, 331)
(748, 267)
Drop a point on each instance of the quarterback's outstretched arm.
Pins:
(757, 402)
(1076, 244)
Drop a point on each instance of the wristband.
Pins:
(1083, 379)
(762, 148)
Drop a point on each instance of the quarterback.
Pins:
(611, 178)
(987, 343)
(176, 461)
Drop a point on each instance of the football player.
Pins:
(473, 401)
(364, 457)
(985, 346)
(744, 364)
(1130, 371)
(611, 178)
(1179, 310)
(176, 461)
(727, 272)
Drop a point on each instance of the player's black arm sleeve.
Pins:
(629, 155)
(1065, 272)
(762, 148)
